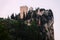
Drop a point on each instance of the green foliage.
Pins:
(9, 28)
(3, 30)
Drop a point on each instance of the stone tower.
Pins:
(23, 10)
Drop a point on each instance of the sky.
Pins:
(7, 7)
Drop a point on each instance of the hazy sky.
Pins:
(7, 7)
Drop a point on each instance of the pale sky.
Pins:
(7, 7)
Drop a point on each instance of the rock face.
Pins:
(44, 20)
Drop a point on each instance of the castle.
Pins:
(41, 16)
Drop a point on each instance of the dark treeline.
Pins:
(36, 25)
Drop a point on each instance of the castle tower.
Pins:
(23, 10)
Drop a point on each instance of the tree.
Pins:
(12, 16)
